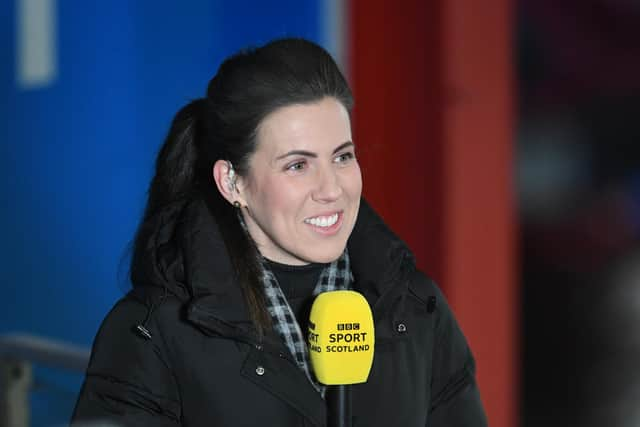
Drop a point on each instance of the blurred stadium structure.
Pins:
(18, 353)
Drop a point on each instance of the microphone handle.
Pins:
(339, 406)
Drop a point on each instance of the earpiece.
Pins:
(231, 176)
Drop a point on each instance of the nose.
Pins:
(328, 187)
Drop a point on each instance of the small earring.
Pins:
(236, 204)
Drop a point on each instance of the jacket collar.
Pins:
(380, 261)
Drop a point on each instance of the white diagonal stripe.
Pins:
(36, 43)
(334, 31)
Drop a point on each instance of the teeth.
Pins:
(323, 221)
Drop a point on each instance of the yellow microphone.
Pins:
(341, 342)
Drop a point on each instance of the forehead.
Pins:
(315, 126)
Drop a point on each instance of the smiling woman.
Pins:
(255, 208)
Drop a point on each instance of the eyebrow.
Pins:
(311, 154)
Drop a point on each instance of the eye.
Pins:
(344, 157)
(296, 166)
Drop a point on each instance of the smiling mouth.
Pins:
(323, 221)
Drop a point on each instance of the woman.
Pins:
(255, 208)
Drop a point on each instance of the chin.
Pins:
(325, 256)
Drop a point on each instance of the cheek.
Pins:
(277, 198)
(353, 181)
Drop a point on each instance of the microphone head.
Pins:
(341, 338)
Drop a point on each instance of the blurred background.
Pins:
(499, 139)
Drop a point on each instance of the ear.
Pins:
(223, 181)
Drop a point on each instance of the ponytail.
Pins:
(176, 164)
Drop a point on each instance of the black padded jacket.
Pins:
(202, 365)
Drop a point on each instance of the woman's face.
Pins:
(303, 188)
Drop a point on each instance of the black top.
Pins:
(297, 283)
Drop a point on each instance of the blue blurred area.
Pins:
(77, 154)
